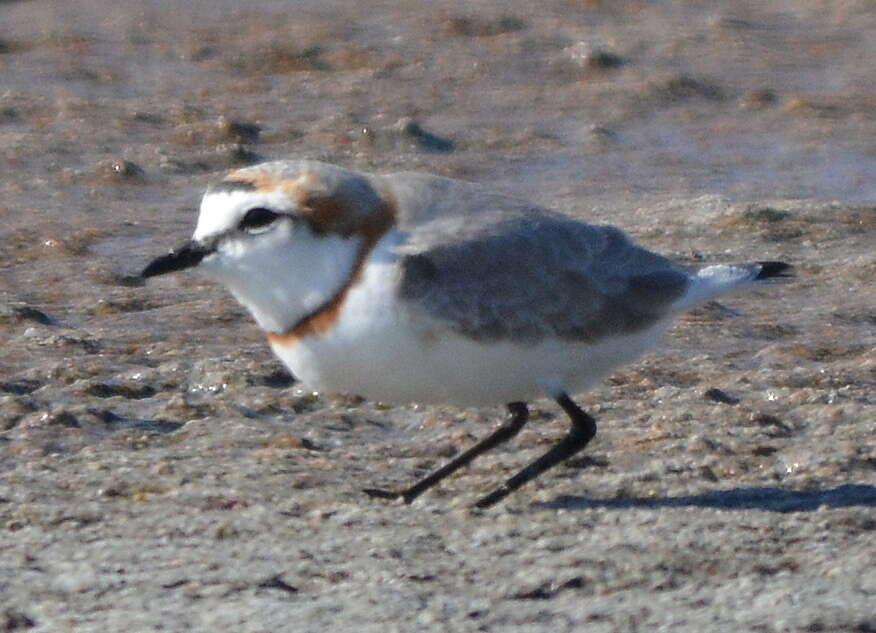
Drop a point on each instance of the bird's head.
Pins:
(284, 237)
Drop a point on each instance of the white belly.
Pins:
(381, 351)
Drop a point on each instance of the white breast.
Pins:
(382, 349)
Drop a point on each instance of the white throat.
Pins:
(281, 277)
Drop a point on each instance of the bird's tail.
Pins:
(713, 281)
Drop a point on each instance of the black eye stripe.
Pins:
(256, 218)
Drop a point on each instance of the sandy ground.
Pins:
(160, 471)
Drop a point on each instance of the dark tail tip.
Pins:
(773, 269)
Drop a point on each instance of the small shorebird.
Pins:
(409, 287)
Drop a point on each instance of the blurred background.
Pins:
(159, 470)
(604, 102)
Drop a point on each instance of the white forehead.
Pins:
(222, 210)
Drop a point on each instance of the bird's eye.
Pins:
(257, 218)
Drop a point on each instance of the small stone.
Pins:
(776, 427)
(410, 128)
(716, 395)
(708, 474)
(594, 57)
(763, 451)
(759, 99)
(239, 155)
(9, 114)
(14, 620)
(118, 170)
(277, 379)
(110, 389)
(60, 417)
(13, 409)
(286, 441)
(20, 313)
(239, 131)
(602, 134)
(683, 87)
(289, 441)
(756, 213)
(163, 468)
(666, 393)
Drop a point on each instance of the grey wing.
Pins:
(534, 275)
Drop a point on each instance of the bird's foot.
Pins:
(382, 493)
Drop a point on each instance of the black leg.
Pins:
(518, 413)
(582, 431)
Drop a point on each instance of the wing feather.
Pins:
(493, 267)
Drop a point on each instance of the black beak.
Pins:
(186, 256)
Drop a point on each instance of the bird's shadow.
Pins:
(770, 498)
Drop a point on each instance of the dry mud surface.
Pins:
(159, 470)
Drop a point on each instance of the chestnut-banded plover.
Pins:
(410, 287)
